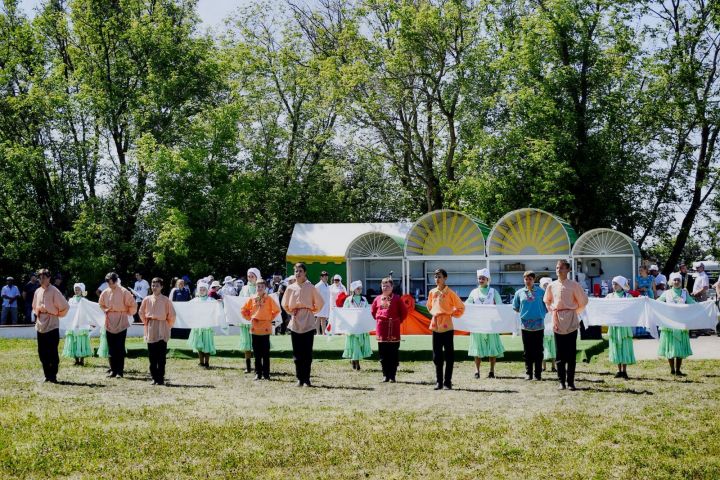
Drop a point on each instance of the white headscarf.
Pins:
(675, 275)
(544, 282)
(203, 285)
(355, 285)
(255, 272)
(622, 281)
(484, 272)
(81, 286)
(228, 279)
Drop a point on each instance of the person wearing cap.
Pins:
(118, 304)
(549, 351)
(27, 295)
(322, 316)
(621, 352)
(357, 346)
(528, 302)
(158, 316)
(701, 285)
(77, 340)
(228, 287)
(443, 304)
(48, 304)
(675, 343)
(660, 279)
(260, 310)
(646, 283)
(336, 289)
(10, 294)
(302, 301)
(485, 344)
(565, 299)
(141, 289)
(202, 340)
(249, 290)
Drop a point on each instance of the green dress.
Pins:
(245, 344)
(485, 344)
(202, 339)
(77, 341)
(621, 340)
(675, 343)
(549, 352)
(357, 345)
(103, 350)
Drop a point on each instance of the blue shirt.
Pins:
(531, 307)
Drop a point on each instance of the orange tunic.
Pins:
(260, 311)
(302, 300)
(444, 305)
(565, 300)
(48, 304)
(158, 315)
(117, 305)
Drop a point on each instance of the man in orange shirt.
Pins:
(158, 315)
(48, 304)
(443, 304)
(117, 303)
(261, 310)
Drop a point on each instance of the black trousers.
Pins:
(261, 352)
(389, 353)
(157, 353)
(444, 351)
(116, 348)
(48, 352)
(533, 351)
(302, 346)
(566, 347)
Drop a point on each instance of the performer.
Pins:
(565, 299)
(389, 311)
(675, 343)
(528, 301)
(77, 340)
(158, 316)
(621, 338)
(302, 301)
(249, 290)
(202, 340)
(117, 303)
(48, 304)
(261, 310)
(357, 346)
(443, 304)
(548, 338)
(485, 344)
(322, 316)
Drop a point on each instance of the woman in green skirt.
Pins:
(675, 343)
(622, 352)
(548, 337)
(77, 340)
(202, 340)
(249, 290)
(485, 344)
(357, 346)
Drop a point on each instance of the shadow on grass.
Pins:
(343, 387)
(186, 385)
(614, 390)
(80, 384)
(482, 390)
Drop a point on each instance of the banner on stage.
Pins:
(351, 320)
(487, 319)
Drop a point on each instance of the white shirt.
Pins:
(103, 286)
(142, 287)
(701, 281)
(10, 291)
(335, 291)
(660, 279)
(228, 289)
(324, 291)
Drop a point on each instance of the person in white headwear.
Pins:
(357, 346)
(621, 352)
(485, 344)
(249, 290)
(228, 287)
(675, 343)
(548, 336)
(77, 339)
(202, 340)
(660, 279)
(336, 289)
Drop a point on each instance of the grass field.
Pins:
(221, 424)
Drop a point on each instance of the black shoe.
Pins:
(385, 379)
(161, 382)
(154, 382)
(477, 374)
(439, 386)
(538, 378)
(266, 377)
(392, 380)
(625, 376)
(528, 376)
(109, 370)
(561, 386)
(119, 375)
(571, 387)
(357, 366)
(257, 377)
(619, 375)
(307, 383)
(299, 383)
(491, 375)
(553, 369)
(111, 375)
(672, 371)
(680, 374)
(448, 386)
(201, 364)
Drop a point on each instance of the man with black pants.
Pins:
(119, 306)
(528, 301)
(48, 304)
(565, 299)
(302, 300)
(158, 315)
(443, 304)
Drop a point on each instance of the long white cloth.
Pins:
(487, 319)
(351, 320)
(199, 314)
(617, 312)
(85, 314)
(233, 306)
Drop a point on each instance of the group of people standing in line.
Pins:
(307, 307)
